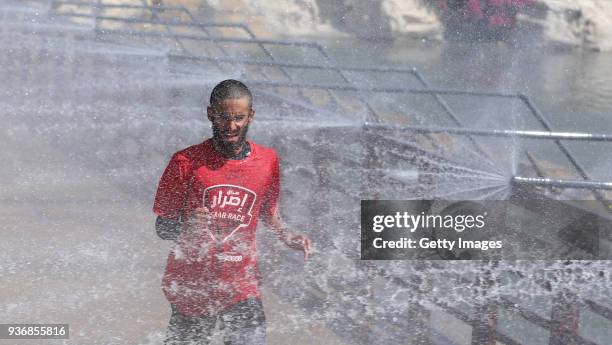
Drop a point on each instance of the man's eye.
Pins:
(226, 117)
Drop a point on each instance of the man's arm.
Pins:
(168, 229)
(272, 218)
(170, 197)
(294, 241)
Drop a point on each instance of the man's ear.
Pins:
(209, 113)
(252, 114)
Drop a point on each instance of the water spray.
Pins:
(560, 183)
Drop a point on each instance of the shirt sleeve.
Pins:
(270, 203)
(172, 188)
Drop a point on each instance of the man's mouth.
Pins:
(231, 137)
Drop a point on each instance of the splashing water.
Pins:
(88, 126)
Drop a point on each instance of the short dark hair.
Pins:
(230, 89)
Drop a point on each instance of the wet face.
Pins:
(230, 122)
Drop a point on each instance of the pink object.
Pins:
(499, 12)
(474, 10)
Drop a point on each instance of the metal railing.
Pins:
(331, 65)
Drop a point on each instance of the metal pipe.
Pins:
(102, 5)
(383, 69)
(495, 132)
(559, 183)
(371, 112)
(141, 33)
(564, 149)
(147, 21)
(447, 109)
(383, 89)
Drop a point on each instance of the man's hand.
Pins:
(299, 242)
(294, 241)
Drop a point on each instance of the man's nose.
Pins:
(234, 126)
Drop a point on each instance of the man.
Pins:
(209, 200)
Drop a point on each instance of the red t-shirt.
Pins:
(212, 269)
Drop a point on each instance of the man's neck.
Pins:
(242, 153)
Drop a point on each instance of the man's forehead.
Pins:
(233, 104)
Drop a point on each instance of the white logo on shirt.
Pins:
(230, 207)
